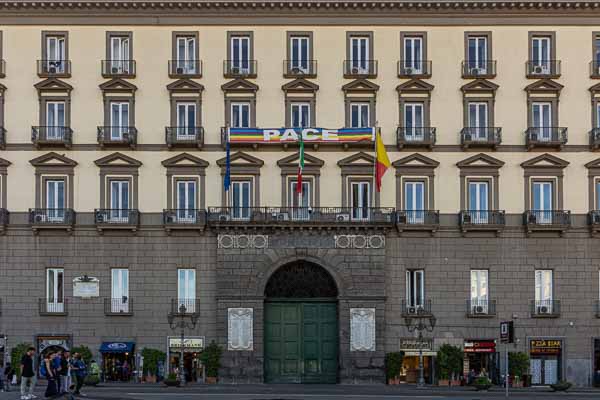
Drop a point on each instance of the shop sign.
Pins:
(507, 332)
(45, 342)
(86, 286)
(411, 344)
(190, 343)
(291, 135)
(545, 346)
(480, 346)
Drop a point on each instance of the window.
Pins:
(185, 55)
(240, 199)
(300, 51)
(186, 120)
(119, 54)
(55, 301)
(120, 291)
(55, 200)
(55, 120)
(415, 288)
(597, 115)
(413, 121)
(240, 115)
(541, 54)
(359, 115)
(596, 50)
(119, 119)
(413, 54)
(543, 199)
(478, 120)
(240, 54)
(186, 201)
(477, 54)
(360, 199)
(542, 120)
(414, 201)
(186, 289)
(597, 194)
(543, 291)
(479, 202)
(359, 54)
(300, 113)
(55, 54)
(479, 291)
(119, 200)
(300, 202)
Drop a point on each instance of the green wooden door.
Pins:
(301, 342)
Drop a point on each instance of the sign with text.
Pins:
(544, 346)
(193, 343)
(293, 135)
(479, 346)
(85, 286)
(416, 344)
(507, 332)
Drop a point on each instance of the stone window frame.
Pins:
(108, 178)
(360, 91)
(288, 40)
(300, 91)
(2, 110)
(287, 192)
(46, 34)
(249, 34)
(415, 91)
(593, 168)
(351, 172)
(118, 90)
(4, 164)
(479, 91)
(311, 172)
(486, 34)
(543, 91)
(546, 268)
(427, 195)
(240, 91)
(250, 170)
(177, 34)
(407, 170)
(185, 91)
(45, 171)
(111, 34)
(195, 170)
(412, 34)
(128, 169)
(544, 173)
(367, 34)
(480, 173)
(53, 90)
(534, 34)
(595, 96)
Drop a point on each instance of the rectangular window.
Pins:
(240, 115)
(413, 122)
(186, 55)
(478, 120)
(413, 54)
(597, 51)
(478, 202)
(186, 120)
(359, 54)
(55, 200)
(300, 202)
(300, 54)
(119, 120)
(186, 289)
(55, 120)
(120, 290)
(55, 302)
(359, 115)
(120, 54)
(541, 51)
(415, 288)
(479, 291)
(119, 201)
(414, 202)
(598, 195)
(360, 200)
(598, 115)
(543, 291)
(477, 53)
(240, 199)
(543, 199)
(240, 54)
(55, 54)
(542, 120)
(186, 201)
(300, 113)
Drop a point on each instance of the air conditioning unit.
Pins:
(224, 217)
(467, 218)
(408, 71)
(180, 70)
(475, 71)
(170, 219)
(115, 70)
(468, 137)
(479, 310)
(532, 219)
(412, 310)
(52, 69)
(541, 69)
(125, 136)
(402, 218)
(342, 217)
(282, 216)
(533, 137)
(596, 219)
(235, 70)
(39, 218)
(355, 70)
(543, 310)
(297, 71)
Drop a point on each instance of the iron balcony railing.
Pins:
(595, 138)
(415, 136)
(360, 68)
(482, 218)
(545, 308)
(481, 307)
(3, 217)
(118, 68)
(184, 136)
(478, 69)
(542, 68)
(2, 137)
(595, 69)
(300, 68)
(550, 218)
(418, 308)
(191, 306)
(52, 135)
(117, 135)
(594, 216)
(54, 68)
(417, 217)
(116, 216)
(414, 68)
(2, 68)
(57, 307)
(51, 216)
(481, 136)
(546, 136)
(301, 215)
(184, 216)
(240, 68)
(118, 306)
(185, 68)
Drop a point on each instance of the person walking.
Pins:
(47, 370)
(8, 375)
(80, 372)
(65, 378)
(27, 375)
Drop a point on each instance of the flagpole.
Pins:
(375, 163)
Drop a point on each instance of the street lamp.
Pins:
(420, 322)
(178, 320)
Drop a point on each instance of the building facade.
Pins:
(121, 120)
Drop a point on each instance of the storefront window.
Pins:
(545, 361)
(192, 366)
(481, 359)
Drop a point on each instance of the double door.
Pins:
(544, 370)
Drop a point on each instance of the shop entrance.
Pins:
(192, 366)
(596, 372)
(480, 359)
(545, 361)
(301, 325)
(118, 361)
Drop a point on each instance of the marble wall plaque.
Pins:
(362, 329)
(239, 332)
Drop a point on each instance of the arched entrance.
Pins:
(301, 325)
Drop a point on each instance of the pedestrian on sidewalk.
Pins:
(80, 372)
(65, 378)
(27, 375)
(47, 370)
(2, 378)
(8, 375)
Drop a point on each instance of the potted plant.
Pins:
(151, 359)
(482, 383)
(450, 364)
(561, 386)
(91, 380)
(172, 380)
(393, 365)
(211, 358)
(518, 364)
(86, 353)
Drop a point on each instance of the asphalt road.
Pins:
(304, 392)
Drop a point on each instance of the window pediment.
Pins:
(289, 164)
(52, 159)
(53, 85)
(2, 89)
(547, 161)
(547, 86)
(118, 85)
(300, 85)
(118, 160)
(595, 164)
(480, 86)
(359, 163)
(480, 161)
(595, 89)
(239, 85)
(241, 163)
(416, 160)
(360, 86)
(185, 86)
(415, 86)
(4, 163)
(185, 160)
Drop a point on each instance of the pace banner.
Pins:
(309, 135)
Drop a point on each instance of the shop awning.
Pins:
(117, 347)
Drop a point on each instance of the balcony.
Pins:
(3, 219)
(300, 217)
(417, 220)
(481, 308)
(2, 138)
(550, 220)
(53, 308)
(189, 304)
(545, 308)
(478, 69)
(536, 137)
(51, 218)
(122, 306)
(415, 137)
(422, 310)
(414, 69)
(240, 69)
(594, 218)
(184, 219)
(595, 69)
(2, 68)
(293, 69)
(184, 136)
(117, 136)
(363, 69)
(52, 136)
(476, 220)
(179, 69)
(595, 138)
(481, 136)
(112, 218)
(538, 69)
(54, 68)
(118, 68)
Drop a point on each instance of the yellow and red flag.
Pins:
(382, 163)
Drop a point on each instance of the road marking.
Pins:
(267, 396)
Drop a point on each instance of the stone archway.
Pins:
(301, 325)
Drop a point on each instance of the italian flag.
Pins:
(383, 162)
(300, 167)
